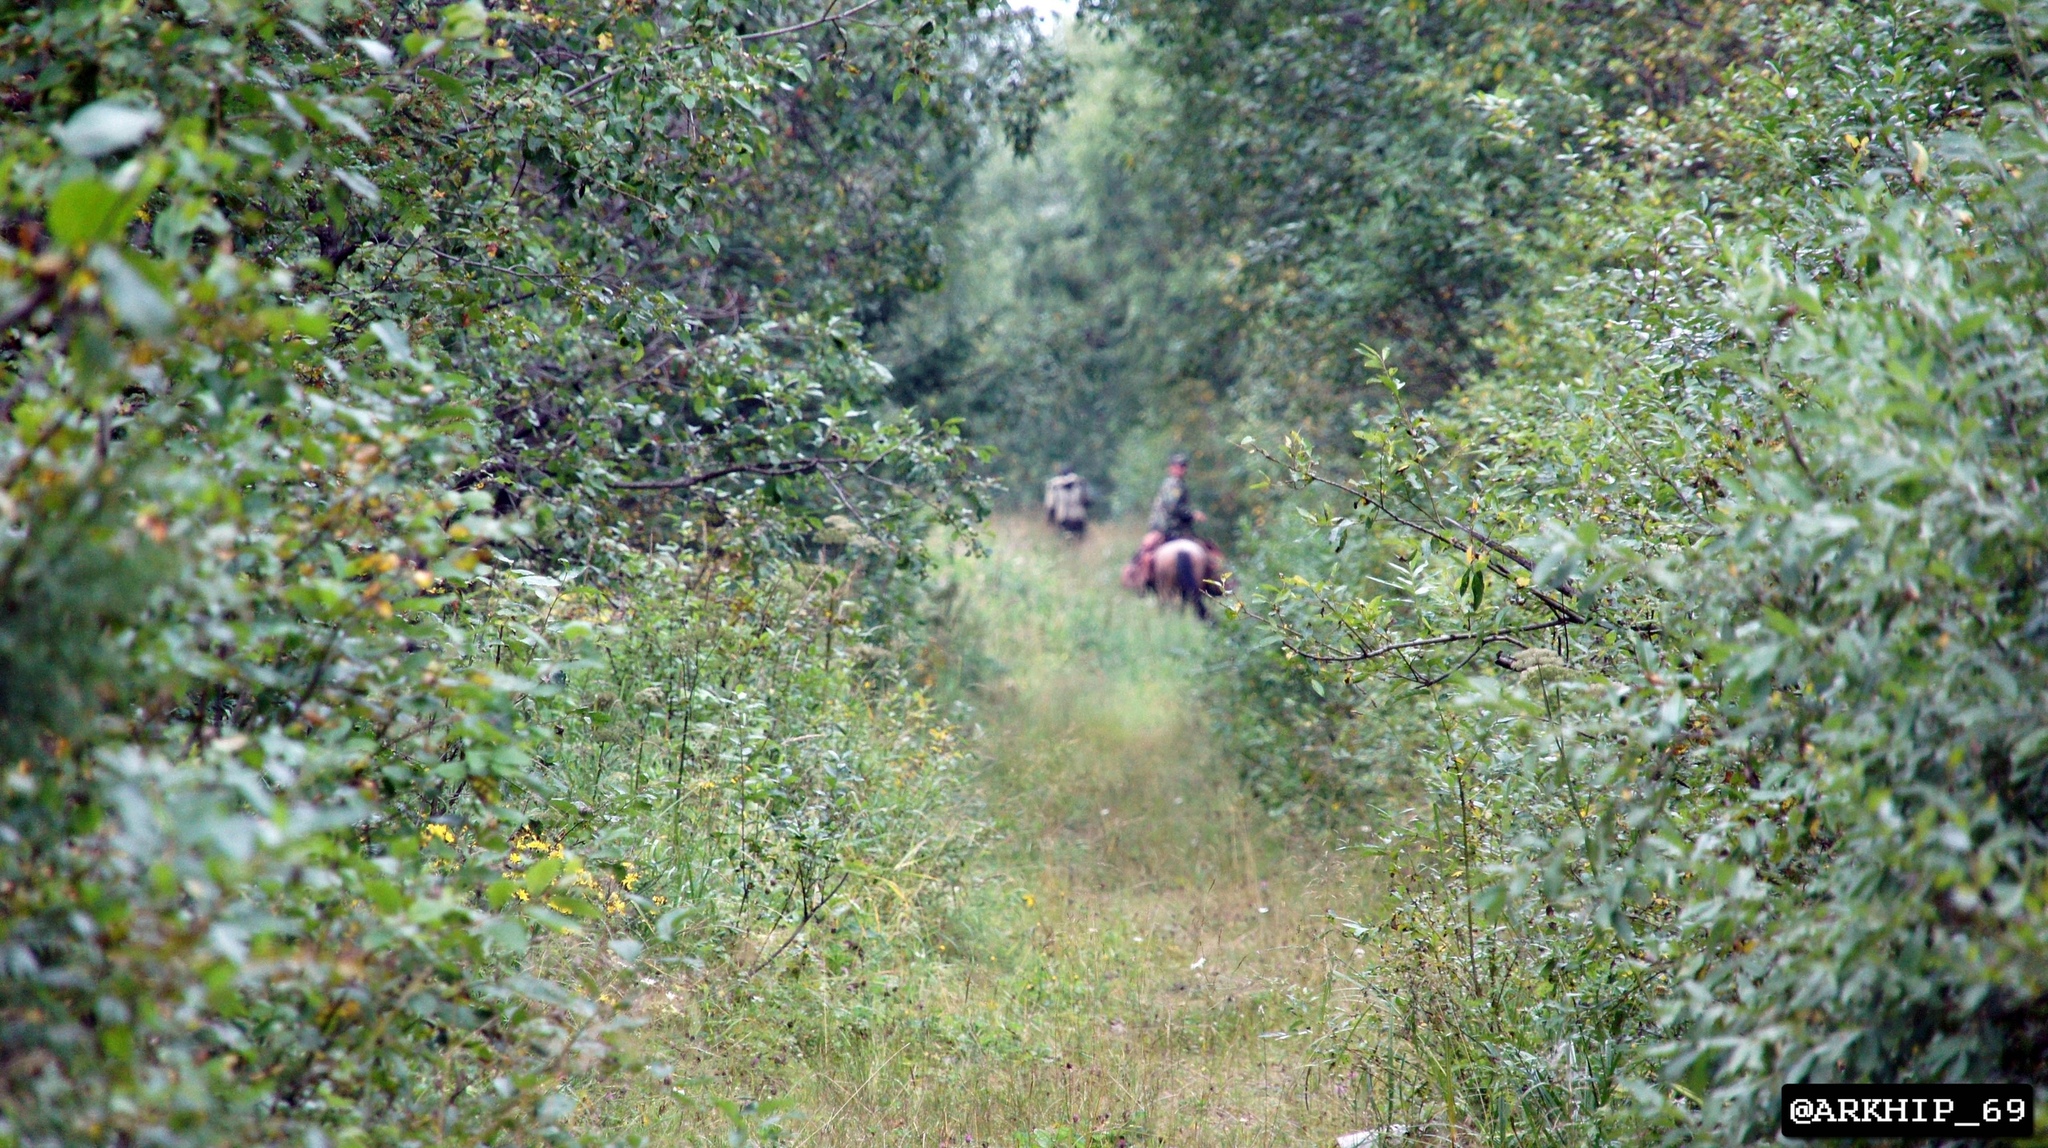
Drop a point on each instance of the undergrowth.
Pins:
(1058, 922)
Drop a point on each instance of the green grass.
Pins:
(1136, 954)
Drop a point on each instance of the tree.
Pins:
(320, 320)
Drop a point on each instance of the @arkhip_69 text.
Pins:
(1906, 1111)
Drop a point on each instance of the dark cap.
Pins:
(1176, 459)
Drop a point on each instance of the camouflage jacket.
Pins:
(1171, 514)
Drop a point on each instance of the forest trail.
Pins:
(1136, 957)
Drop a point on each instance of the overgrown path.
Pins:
(1137, 954)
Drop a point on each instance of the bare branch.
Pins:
(766, 470)
(592, 82)
(825, 19)
(38, 297)
(1369, 653)
(1471, 532)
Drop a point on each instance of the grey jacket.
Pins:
(1067, 499)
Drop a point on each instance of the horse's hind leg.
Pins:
(1186, 585)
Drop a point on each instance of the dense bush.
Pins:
(748, 756)
(337, 340)
(1717, 585)
(1645, 556)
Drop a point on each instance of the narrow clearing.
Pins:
(1136, 956)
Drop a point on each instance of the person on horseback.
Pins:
(1067, 499)
(1172, 516)
(1196, 564)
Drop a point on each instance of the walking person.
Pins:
(1067, 499)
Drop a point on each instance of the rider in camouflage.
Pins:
(1172, 517)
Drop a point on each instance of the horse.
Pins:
(1186, 571)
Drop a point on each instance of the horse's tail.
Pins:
(1186, 583)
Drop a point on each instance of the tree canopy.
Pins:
(1627, 416)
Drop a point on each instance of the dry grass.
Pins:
(1139, 954)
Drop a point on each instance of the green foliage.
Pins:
(1029, 341)
(337, 339)
(1243, 195)
(748, 751)
(1713, 591)
(1677, 657)
(755, 1122)
(1065, 1137)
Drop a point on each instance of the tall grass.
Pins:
(1052, 919)
(997, 877)
(757, 762)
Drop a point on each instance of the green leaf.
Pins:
(574, 906)
(429, 910)
(505, 934)
(106, 126)
(385, 895)
(129, 295)
(379, 52)
(84, 211)
(359, 184)
(312, 324)
(118, 1041)
(468, 20)
(543, 874)
(450, 86)
(397, 344)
